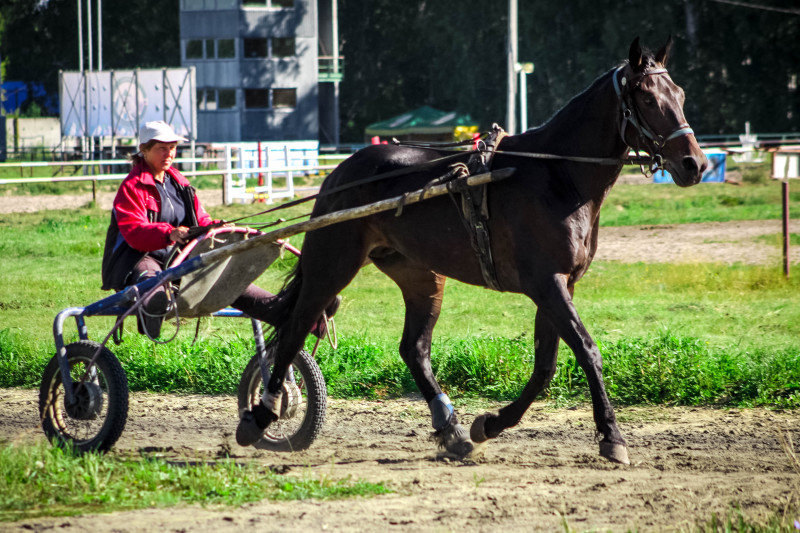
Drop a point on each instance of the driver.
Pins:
(153, 210)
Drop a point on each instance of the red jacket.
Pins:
(137, 207)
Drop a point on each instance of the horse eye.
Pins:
(649, 101)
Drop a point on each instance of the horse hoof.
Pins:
(253, 424)
(616, 453)
(455, 441)
(477, 430)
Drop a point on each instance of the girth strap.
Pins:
(475, 205)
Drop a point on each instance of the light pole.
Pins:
(511, 66)
(524, 69)
(99, 35)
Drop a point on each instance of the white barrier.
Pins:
(265, 162)
(239, 162)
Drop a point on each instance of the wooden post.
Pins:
(785, 201)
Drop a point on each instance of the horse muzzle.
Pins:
(686, 165)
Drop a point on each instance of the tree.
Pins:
(40, 38)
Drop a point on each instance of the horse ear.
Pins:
(662, 56)
(635, 54)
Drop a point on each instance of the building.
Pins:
(266, 70)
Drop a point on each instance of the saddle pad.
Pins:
(214, 287)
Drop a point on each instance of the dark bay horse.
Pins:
(543, 225)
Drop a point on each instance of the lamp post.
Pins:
(524, 69)
(511, 50)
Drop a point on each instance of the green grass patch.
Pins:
(43, 480)
(629, 204)
(776, 239)
(735, 520)
(665, 369)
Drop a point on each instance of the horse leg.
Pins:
(422, 293)
(554, 301)
(553, 298)
(318, 281)
(488, 425)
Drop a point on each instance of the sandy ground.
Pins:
(687, 463)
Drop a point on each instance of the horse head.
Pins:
(653, 119)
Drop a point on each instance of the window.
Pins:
(283, 47)
(269, 98)
(284, 98)
(274, 4)
(210, 49)
(226, 99)
(255, 48)
(193, 5)
(216, 99)
(226, 48)
(194, 49)
(256, 98)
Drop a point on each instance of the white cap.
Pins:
(158, 130)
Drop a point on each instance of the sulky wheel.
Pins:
(303, 406)
(97, 418)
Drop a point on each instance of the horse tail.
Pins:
(282, 306)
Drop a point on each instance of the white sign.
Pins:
(785, 165)
(120, 100)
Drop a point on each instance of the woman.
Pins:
(153, 210)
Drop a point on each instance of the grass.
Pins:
(737, 327)
(776, 239)
(707, 202)
(665, 369)
(40, 480)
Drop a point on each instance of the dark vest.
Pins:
(119, 257)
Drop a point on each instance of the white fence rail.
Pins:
(235, 167)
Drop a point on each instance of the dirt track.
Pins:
(686, 465)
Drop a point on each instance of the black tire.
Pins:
(302, 421)
(99, 417)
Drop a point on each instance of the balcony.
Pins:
(331, 68)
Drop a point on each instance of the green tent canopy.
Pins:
(425, 123)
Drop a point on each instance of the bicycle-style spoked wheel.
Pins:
(97, 417)
(302, 409)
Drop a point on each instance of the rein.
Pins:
(622, 87)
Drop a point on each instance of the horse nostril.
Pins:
(690, 164)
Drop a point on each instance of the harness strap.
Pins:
(476, 225)
(475, 204)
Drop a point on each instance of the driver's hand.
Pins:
(179, 234)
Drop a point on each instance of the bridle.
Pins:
(631, 115)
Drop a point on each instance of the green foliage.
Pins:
(48, 481)
(408, 55)
(39, 38)
(667, 369)
(736, 521)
